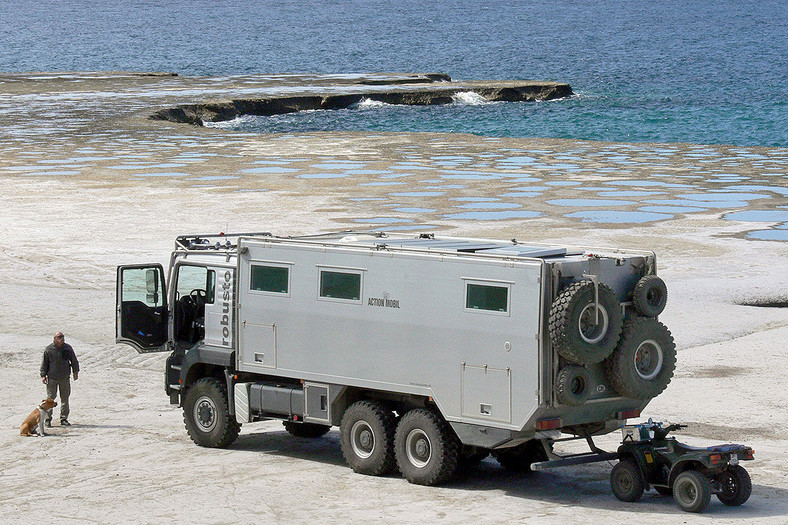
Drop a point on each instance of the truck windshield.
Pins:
(196, 278)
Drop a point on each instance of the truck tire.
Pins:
(650, 296)
(573, 385)
(692, 491)
(626, 481)
(426, 448)
(367, 438)
(205, 413)
(305, 430)
(574, 332)
(736, 486)
(520, 458)
(643, 364)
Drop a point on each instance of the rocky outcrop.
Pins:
(416, 90)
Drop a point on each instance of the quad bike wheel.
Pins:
(736, 486)
(626, 481)
(692, 491)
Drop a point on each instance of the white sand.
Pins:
(128, 458)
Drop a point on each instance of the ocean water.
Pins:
(698, 71)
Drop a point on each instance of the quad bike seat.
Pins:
(727, 448)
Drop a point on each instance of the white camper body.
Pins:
(496, 344)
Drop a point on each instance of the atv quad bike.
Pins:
(648, 458)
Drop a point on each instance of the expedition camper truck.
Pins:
(428, 352)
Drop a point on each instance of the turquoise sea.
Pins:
(698, 71)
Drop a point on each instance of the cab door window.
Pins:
(141, 307)
(195, 287)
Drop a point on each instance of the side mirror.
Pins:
(152, 281)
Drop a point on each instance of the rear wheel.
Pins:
(205, 413)
(626, 481)
(736, 486)
(367, 438)
(426, 448)
(692, 491)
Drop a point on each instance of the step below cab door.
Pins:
(141, 313)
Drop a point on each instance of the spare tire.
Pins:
(573, 385)
(573, 328)
(650, 295)
(642, 365)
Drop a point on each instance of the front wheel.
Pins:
(206, 414)
(736, 486)
(626, 481)
(426, 449)
(692, 491)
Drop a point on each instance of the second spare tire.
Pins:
(643, 364)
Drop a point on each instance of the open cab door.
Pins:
(141, 314)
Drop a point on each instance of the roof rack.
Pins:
(214, 241)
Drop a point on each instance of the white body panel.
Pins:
(409, 332)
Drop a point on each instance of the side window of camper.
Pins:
(269, 278)
(491, 297)
(340, 285)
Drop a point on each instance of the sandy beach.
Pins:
(89, 182)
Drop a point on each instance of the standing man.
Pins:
(59, 360)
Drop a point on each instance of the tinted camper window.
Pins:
(340, 285)
(269, 279)
(487, 297)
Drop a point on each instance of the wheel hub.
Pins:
(205, 414)
(362, 439)
(687, 492)
(648, 359)
(578, 386)
(593, 324)
(366, 439)
(418, 448)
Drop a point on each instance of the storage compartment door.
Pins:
(487, 393)
(258, 346)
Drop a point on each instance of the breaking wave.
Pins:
(470, 98)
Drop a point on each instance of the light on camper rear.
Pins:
(548, 424)
(628, 414)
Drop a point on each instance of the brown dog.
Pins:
(37, 418)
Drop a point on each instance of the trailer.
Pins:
(426, 351)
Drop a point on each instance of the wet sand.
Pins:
(88, 181)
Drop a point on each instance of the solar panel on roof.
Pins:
(523, 250)
(454, 245)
